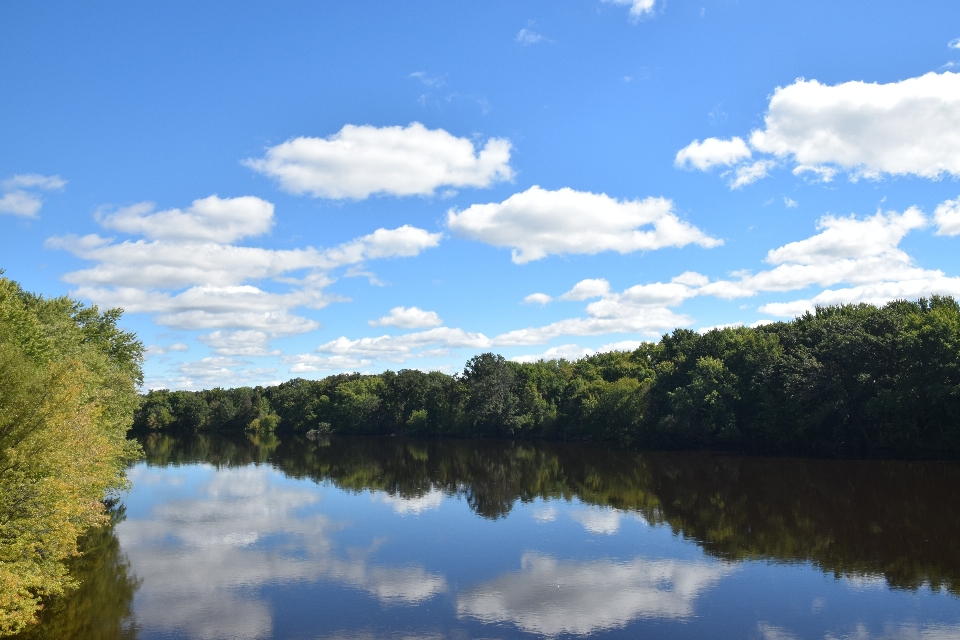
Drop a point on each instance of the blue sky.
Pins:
(296, 189)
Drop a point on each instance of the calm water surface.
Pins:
(390, 538)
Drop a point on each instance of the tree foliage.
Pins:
(68, 392)
(851, 380)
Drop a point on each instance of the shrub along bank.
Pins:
(68, 379)
(851, 380)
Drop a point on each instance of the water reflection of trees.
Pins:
(101, 607)
(895, 519)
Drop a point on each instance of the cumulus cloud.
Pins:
(18, 201)
(410, 345)
(312, 363)
(160, 350)
(640, 309)
(551, 597)
(712, 152)
(188, 275)
(214, 219)
(537, 298)
(638, 8)
(239, 343)
(537, 223)
(749, 173)
(408, 318)
(947, 218)
(586, 289)
(359, 161)
(203, 284)
(868, 130)
(852, 259)
(210, 372)
(862, 252)
(569, 352)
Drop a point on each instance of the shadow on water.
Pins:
(101, 607)
(855, 518)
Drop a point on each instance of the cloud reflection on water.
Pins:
(891, 631)
(550, 597)
(403, 506)
(201, 556)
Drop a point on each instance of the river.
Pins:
(340, 537)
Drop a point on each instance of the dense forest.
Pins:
(68, 393)
(850, 380)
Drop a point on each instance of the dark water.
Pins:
(385, 537)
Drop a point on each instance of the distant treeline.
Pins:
(851, 380)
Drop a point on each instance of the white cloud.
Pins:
(528, 37)
(729, 325)
(863, 253)
(245, 296)
(712, 152)
(947, 217)
(20, 203)
(163, 264)
(586, 289)
(210, 372)
(33, 181)
(408, 318)
(910, 127)
(160, 350)
(537, 298)
(640, 309)
(239, 343)
(359, 161)
(409, 345)
(311, 363)
(213, 219)
(551, 597)
(749, 173)
(638, 8)
(537, 223)
(954, 44)
(622, 345)
(15, 200)
(206, 307)
(790, 203)
(569, 352)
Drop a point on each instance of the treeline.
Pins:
(68, 390)
(851, 380)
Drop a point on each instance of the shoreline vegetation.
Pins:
(68, 394)
(848, 381)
